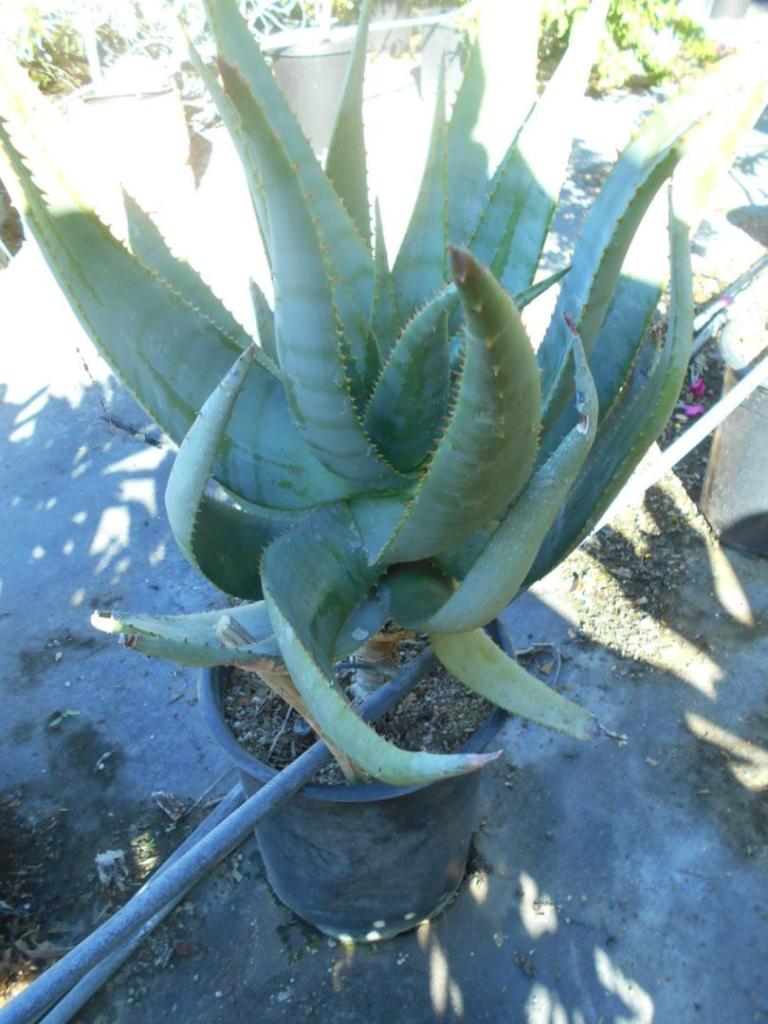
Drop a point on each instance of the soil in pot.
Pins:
(361, 862)
(439, 716)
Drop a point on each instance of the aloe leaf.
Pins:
(709, 149)
(420, 267)
(200, 655)
(487, 450)
(363, 622)
(587, 291)
(325, 552)
(239, 51)
(376, 519)
(475, 660)
(410, 397)
(152, 250)
(345, 164)
(712, 144)
(166, 354)
(613, 220)
(384, 322)
(315, 373)
(498, 573)
(413, 593)
(528, 295)
(635, 420)
(225, 543)
(192, 639)
(265, 321)
(511, 230)
(493, 98)
(230, 115)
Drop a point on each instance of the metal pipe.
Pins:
(635, 488)
(33, 1002)
(90, 984)
(719, 310)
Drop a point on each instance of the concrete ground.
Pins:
(612, 881)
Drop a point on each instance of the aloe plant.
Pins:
(392, 446)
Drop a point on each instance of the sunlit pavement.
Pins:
(607, 886)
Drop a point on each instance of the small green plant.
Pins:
(647, 40)
(393, 448)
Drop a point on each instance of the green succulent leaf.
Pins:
(168, 355)
(223, 542)
(248, 81)
(528, 295)
(635, 420)
(613, 221)
(234, 124)
(325, 551)
(413, 593)
(510, 233)
(346, 164)
(420, 267)
(151, 249)
(193, 639)
(497, 574)
(490, 105)
(384, 322)
(376, 518)
(410, 397)
(475, 660)
(265, 321)
(310, 339)
(487, 450)
(363, 622)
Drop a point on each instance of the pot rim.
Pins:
(209, 691)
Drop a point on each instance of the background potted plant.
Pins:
(392, 448)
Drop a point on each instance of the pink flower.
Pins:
(693, 410)
(698, 388)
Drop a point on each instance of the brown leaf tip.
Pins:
(459, 264)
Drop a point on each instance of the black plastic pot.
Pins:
(311, 77)
(360, 862)
(734, 497)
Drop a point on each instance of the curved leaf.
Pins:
(636, 419)
(309, 346)
(475, 660)
(384, 323)
(613, 220)
(326, 553)
(410, 397)
(265, 321)
(169, 356)
(413, 593)
(223, 542)
(420, 267)
(151, 249)
(512, 228)
(487, 450)
(193, 639)
(239, 51)
(498, 87)
(345, 165)
(498, 573)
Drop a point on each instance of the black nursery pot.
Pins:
(360, 862)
